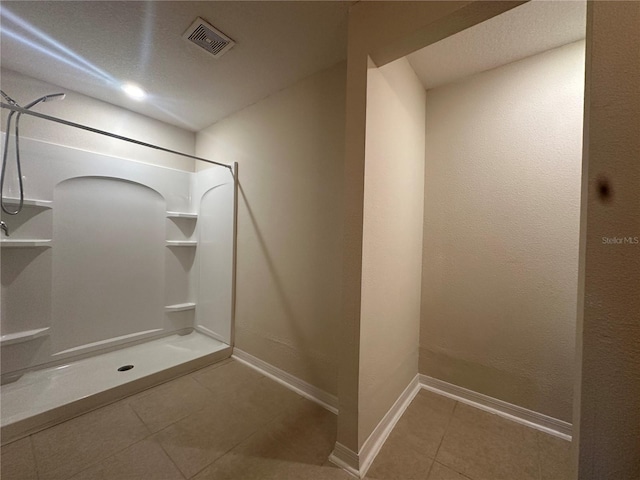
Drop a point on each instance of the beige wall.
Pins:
(290, 150)
(79, 108)
(384, 31)
(606, 412)
(609, 320)
(392, 239)
(501, 231)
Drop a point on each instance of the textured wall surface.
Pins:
(79, 108)
(609, 333)
(290, 150)
(384, 32)
(501, 230)
(392, 245)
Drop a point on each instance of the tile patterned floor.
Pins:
(227, 422)
(440, 439)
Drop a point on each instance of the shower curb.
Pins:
(41, 421)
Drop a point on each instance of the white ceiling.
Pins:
(93, 46)
(526, 30)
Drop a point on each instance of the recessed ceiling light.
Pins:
(134, 91)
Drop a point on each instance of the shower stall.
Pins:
(116, 274)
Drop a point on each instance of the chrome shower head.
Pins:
(46, 98)
(54, 96)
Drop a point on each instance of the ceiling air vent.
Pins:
(208, 38)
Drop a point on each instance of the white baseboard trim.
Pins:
(322, 398)
(358, 463)
(507, 410)
(346, 459)
(374, 443)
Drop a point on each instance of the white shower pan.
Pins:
(45, 397)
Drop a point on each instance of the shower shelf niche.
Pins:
(162, 216)
(182, 243)
(180, 307)
(26, 243)
(21, 337)
(192, 216)
(29, 202)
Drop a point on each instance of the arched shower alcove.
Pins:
(111, 262)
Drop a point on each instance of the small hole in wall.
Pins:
(124, 368)
(605, 192)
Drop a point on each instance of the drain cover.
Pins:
(124, 368)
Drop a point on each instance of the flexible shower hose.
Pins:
(18, 165)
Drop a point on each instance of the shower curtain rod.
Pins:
(107, 134)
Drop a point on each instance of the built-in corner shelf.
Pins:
(180, 307)
(28, 202)
(24, 336)
(182, 243)
(182, 215)
(25, 243)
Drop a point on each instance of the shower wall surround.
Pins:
(109, 251)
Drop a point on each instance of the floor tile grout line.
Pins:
(459, 473)
(208, 464)
(467, 477)
(194, 412)
(539, 456)
(253, 432)
(93, 464)
(446, 429)
(430, 468)
(169, 457)
(224, 454)
(155, 434)
(435, 458)
(435, 455)
(173, 422)
(33, 454)
(148, 437)
(140, 418)
(249, 436)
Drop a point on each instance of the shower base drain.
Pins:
(124, 368)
